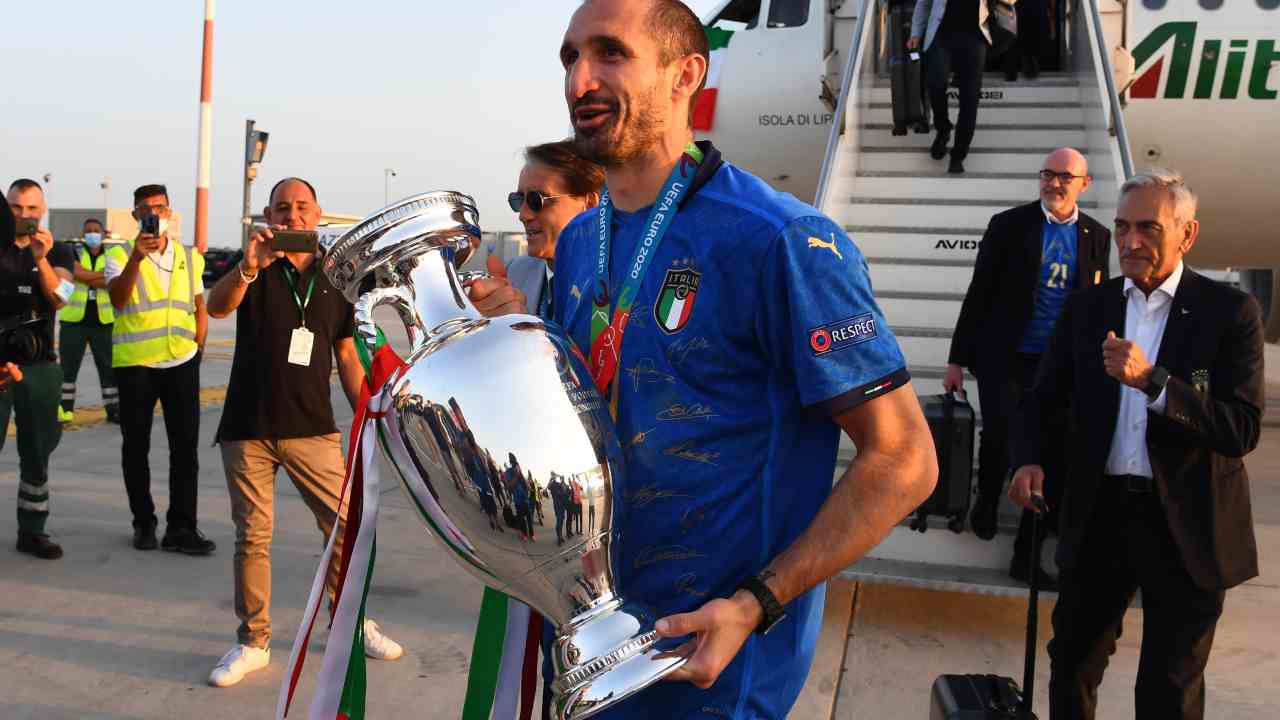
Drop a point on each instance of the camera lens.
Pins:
(23, 346)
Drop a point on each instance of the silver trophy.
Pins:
(488, 419)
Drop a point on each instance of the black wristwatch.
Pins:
(1155, 384)
(773, 612)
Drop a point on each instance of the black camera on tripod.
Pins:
(22, 341)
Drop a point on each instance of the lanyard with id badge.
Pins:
(302, 340)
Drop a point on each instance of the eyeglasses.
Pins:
(152, 209)
(1065, 177)
(535, 199)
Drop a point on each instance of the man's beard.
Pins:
(619, 142)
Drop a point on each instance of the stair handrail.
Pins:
(853, 67)
(1094, 24)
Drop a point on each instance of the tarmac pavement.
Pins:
(110, 632)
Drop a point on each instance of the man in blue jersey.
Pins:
(734, 329)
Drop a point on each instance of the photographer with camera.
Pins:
(160, 326)
(87, 320)
(291, 324)
(35, 280)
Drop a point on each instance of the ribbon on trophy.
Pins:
(340, 689)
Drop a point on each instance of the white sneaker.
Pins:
(377, 645)
(238, 662)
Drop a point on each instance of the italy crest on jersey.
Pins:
(675, 299)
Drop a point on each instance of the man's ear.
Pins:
(1191, 232)
(692, 70)
(592, 200)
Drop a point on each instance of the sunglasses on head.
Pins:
(535, 199)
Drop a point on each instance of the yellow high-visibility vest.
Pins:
(154, 326)
(74, 311)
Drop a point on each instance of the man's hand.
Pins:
(495, 296)
(259, 254)
(913, 43)
(41, 243)
(1124, 361)
(953, 381)
(9, 374)
(720, 628)
(145, 245)
(1027, 481)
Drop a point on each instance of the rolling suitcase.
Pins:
(993, 697)
(951, 422)
(906, 73)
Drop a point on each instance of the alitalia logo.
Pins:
(1164, 60)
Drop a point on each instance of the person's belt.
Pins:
(1136, 484)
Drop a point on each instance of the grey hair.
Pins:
(1180, 194)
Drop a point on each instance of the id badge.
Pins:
(93, 293)
(300, 346)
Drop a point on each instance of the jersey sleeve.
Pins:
(820, 323)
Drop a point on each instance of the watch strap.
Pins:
(1155, 384)
(772, 609)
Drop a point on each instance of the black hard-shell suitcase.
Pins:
(906, 73)
(993, 697)
(951, 422)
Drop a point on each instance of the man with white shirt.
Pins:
(1031, 258)
(1163, 372)
(159, 330)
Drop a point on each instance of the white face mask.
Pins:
(93, 240)
(164, 225)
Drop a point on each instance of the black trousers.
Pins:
(965, 54)
(178, 391)
(1033, 35)
(1000, 396)
(1127, 547)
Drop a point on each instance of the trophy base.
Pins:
(610, 657)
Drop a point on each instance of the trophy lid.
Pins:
(443, 220)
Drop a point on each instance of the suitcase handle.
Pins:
(1033, 606)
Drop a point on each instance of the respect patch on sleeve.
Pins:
(841, 334)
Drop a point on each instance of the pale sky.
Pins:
(447, 94)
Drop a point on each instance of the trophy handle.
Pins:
(401, 300)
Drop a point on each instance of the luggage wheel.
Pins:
(956, 524)
(919, 522)
(899, 130)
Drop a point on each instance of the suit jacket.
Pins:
(528, 274)
(1001, 296)
(926, 18)
(1212, 348)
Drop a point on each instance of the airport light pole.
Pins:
(255, 146)
(387, 174)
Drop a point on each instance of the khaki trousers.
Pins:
(317, 467)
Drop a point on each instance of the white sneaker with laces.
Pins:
(377, 645)
(238, 662)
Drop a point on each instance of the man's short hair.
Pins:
(91, 220)
(24, 184)
(579, 175)
(271, 195)
(679, 33)
(147, 191)
(1180, 194)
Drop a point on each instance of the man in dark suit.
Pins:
(1158, 497)
(1030, 259)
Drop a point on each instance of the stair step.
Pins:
(921, 332)
(939, 245)
(925, 350)
(970, 216)
(934, 313)
(1022, 112)
(917, 295)
(919, 262)
(936, 576)
(981, 160)
(995, 95)
(908, 278)
(1047, 135)
(945, 187)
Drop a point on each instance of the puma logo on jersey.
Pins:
(819, 243)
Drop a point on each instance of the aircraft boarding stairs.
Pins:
(919, 229)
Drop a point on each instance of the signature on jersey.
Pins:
(694, 411)
(687, 451)
(650, 494)
(665, 553)
(679, 350)
(646, 371)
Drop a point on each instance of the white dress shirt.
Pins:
(1053, 219)
(1145, 319)
(163, 261)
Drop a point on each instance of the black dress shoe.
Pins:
(38, 544)
(187, 542)
(144, 536)
(956, 166)
(113, 414)
(938, 149)
(1033, 69)
(1012, 75)
(984, 517)
(1018, 571)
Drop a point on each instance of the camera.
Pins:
(22, 342)
(149, 224)
(25, 226)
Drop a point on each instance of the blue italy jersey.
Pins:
(1059, 268)
(754, 325)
